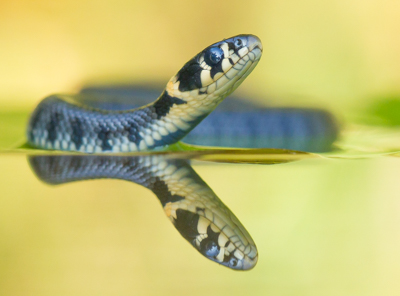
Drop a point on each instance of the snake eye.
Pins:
(213, 55)
(211, 249)
(233, 262)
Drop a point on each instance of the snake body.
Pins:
(62, 122)
(237, 122)
(194, 209)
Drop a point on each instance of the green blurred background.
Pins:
(338, 54)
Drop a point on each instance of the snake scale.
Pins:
(62, 122)
(190, 204)
(67, 122)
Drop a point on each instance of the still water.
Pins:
(323, 224)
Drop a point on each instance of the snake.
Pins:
(63, 122)
(190, 204)
(69, 122)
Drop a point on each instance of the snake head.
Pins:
(218, 238)
(217, 70)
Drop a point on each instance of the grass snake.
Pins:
(62, 122)
(75, 123)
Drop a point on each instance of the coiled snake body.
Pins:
(61, 122)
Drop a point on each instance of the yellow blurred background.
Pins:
(322, 226)
(336, 54)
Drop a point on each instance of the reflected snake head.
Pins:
(225, 242)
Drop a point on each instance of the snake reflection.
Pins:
(194, 209)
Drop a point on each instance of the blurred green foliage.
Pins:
(12, 128)
(386, 111)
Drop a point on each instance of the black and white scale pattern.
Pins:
(194, 209)
(63, 122)
(60, 123)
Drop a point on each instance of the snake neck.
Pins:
(60, 123)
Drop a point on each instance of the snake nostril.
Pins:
(238, 43)
(233, 262)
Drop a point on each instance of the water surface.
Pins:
(324, 224)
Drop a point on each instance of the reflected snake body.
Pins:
(63, 122)
(194, 209)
